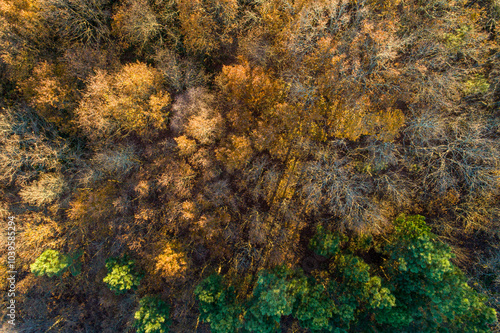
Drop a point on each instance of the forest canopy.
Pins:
(250, 165)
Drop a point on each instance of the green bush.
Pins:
(314, 308)
(122, 275)
(432, 294)
(217, 305)
(326, 243)
(359, 295)
(152, 316)
(53, 263)
(273, 297)
(418, 290)
(456, 40)
(476, 85)
(50, 263)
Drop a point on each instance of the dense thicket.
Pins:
(343, 294)
(230, 165)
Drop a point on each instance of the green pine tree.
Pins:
(122, 275)
(432, 294)
(152, 316)
(218, 306)
(54, 263)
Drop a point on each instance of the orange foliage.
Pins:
(172, 262)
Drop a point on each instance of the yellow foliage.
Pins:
(196, 26)
(24, 14)
(204, 127)
(131, 100)
(248, 89)
(45, 89)
(390, 122)
(158, 101)
(353, 122)
(186, 146)
(385, 7)
(237, 154)
(252, 86)
(206, 25)
(39, 234)
(286, 187)
(277, 14)
(189, 210)
(137, 80)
